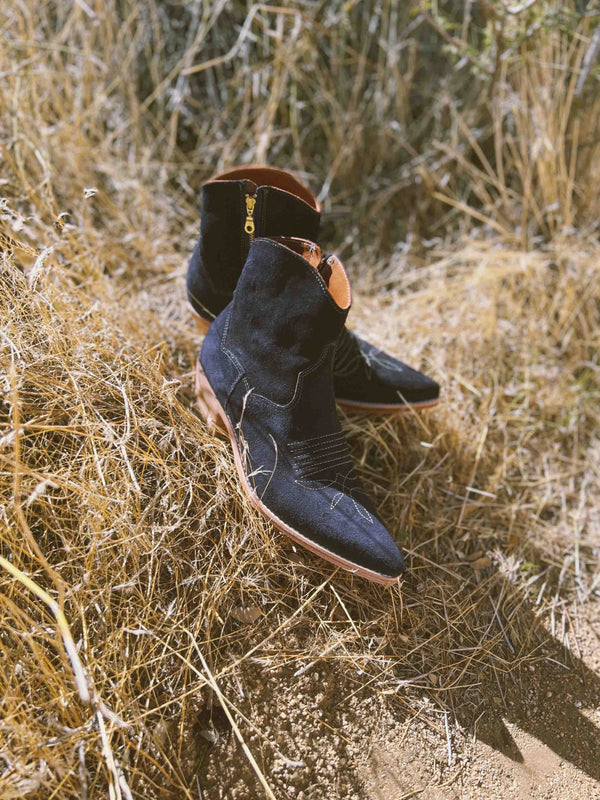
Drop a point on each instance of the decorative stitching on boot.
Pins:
(317, 467)
(315, 456)
(340, 483)
(309, 443)
(299, 379)
(321, 455)
(307, 459)
(348, 356)
(239, 368)
(387, 362)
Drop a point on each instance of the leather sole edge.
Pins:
(382, 408)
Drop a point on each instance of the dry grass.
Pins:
(122, 526)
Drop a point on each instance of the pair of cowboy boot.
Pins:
(276, 358)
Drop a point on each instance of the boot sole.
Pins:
(213, 413)
(380, 409)
(368, 408)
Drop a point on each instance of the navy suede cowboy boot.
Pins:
(265, 376)
(262, 201)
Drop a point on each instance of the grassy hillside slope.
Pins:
(158, 638)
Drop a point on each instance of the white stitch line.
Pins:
(320, 457)
(259, 398)
(231, 356)
(328, 458)
(325, 440)
(320, 467)
(324, 451)
(316, 438)
(311, 544)
(315, 462)
(339, 496)
(323, 447)
(342, 447)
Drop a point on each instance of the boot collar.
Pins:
(257, 177)
(286, 316)
(329, 268)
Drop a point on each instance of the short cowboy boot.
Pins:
(265, 375)
(266, 202)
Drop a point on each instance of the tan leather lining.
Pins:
(271, 176)
(338, 284)
(308, 250)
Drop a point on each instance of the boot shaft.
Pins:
(236, 207)
(288, 311)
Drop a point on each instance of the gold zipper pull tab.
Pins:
(249, 224)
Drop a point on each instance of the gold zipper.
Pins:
(249, 224)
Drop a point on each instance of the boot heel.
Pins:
(209, 406)
(202, 324)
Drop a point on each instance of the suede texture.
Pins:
(365, 374)
(282, 317)
(283, 214)
(269, 357)
(220, 252)
(222, 246)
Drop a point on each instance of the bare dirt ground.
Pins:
(542, 741)
(536, 738)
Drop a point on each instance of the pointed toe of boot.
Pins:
(369, 544)
(413, 386)
(336, 523)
